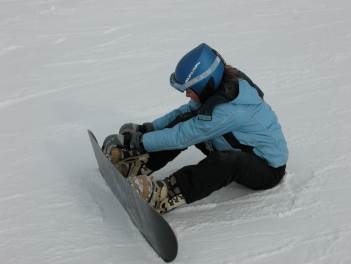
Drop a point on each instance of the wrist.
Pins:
(147, 127)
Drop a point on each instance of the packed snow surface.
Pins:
(70, 65)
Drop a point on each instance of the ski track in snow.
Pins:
(66, 66)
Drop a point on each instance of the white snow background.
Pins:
(70, 65)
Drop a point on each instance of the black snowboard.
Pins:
(151, 225)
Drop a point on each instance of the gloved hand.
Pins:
(133, 141)
(132, 128)
(130, 144)
(111, 142)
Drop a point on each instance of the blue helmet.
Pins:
(196, 68)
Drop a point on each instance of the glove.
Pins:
(111, 142)
(132, 128)
(130, 144)
(133, 141)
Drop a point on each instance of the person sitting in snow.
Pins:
(226, 118)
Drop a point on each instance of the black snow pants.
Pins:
(217, 170)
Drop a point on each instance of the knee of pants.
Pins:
(272, 182)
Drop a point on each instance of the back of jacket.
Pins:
(248, 117)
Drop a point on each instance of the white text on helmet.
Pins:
(192, 72)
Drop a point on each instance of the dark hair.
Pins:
(230, 74)
(208, 91)
(229, 79)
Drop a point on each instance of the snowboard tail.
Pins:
(151, 225)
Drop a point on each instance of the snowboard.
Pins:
(151, 224)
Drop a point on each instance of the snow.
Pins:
(69, 65)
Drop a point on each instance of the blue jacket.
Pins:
(248, 117)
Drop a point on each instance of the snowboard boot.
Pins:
(128, 164)
(163, 195)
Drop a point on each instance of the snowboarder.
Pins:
(226, 118)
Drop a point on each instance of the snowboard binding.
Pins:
(129, 165)
(162, 195)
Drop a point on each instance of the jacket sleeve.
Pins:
(163, 121)
(191, 132)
